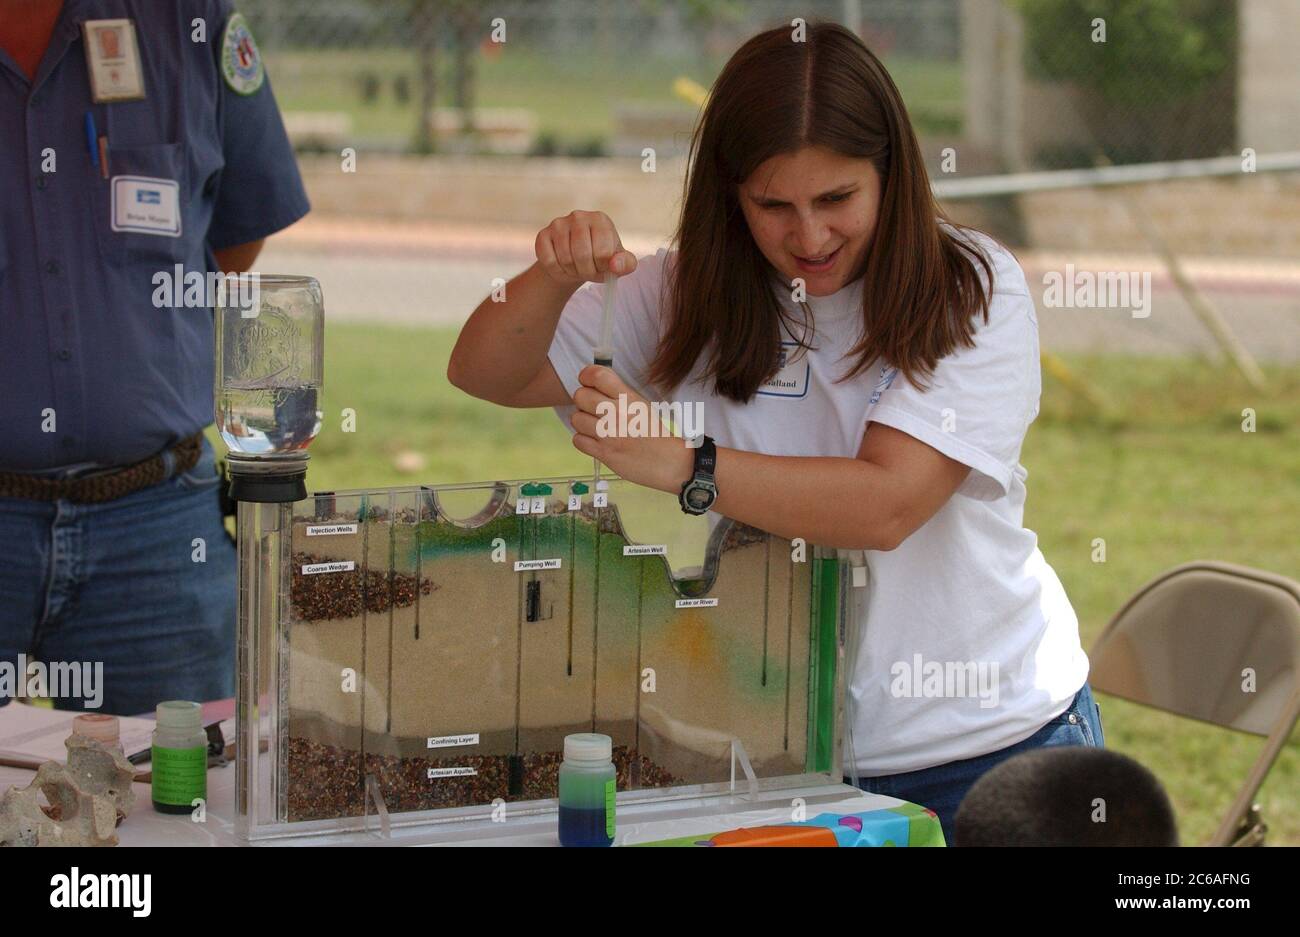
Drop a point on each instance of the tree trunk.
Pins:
(466, 54)
(426, 48)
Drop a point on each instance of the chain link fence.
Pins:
(571, 77)
(993, 87)
(1023, 83)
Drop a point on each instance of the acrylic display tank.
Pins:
(415, 656)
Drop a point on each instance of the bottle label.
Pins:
(180, 775)
(610, 792)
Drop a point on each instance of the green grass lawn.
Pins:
(573, 97)
(1177, 480)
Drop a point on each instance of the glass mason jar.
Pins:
(270, 343)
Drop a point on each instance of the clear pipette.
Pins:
(603, 354)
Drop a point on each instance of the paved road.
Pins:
(435, 275)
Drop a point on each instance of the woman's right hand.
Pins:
(582, 246)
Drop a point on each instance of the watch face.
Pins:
(699, 498)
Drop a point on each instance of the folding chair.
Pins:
(1214, 642)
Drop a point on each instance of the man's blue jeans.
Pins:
(144, 584)
(942, 787)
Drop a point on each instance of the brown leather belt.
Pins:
(93, 489)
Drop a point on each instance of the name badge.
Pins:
(113, 61)
(146, 206)
(792, 378)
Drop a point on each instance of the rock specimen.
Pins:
(87, 798)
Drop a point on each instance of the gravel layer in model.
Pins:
(325, 781)
(324, 596)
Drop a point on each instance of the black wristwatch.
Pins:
(700, 490)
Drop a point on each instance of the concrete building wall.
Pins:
(1016, 118)
(1268, 77)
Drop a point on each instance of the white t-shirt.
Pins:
(969, 591)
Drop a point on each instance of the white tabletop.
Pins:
(640, 824)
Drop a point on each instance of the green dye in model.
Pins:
(826, 589)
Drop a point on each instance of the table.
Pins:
(686, 821)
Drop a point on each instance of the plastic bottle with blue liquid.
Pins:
(587, 791)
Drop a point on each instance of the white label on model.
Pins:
(452, 741)
(575, 502)
(435, 773)
(696, 603)
(539, 505)
(342, 566)
(522, 565)
(600, 499)
(521, 506)
(645, 549)
(326, 530)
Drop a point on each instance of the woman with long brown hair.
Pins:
(868, 371)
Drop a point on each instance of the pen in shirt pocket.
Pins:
(97, 146)
(92, 140)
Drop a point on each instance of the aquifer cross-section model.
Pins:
(449, 657)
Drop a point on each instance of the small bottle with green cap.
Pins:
(179, 756)
(587, 789)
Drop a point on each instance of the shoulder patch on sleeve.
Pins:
(241, 62)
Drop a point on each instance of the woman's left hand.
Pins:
(657, 461)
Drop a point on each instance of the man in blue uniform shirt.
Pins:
(135, 135)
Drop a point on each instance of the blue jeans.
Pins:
(942, 787)
(124, 584)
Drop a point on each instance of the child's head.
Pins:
(1070, 795)
(805, 165)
